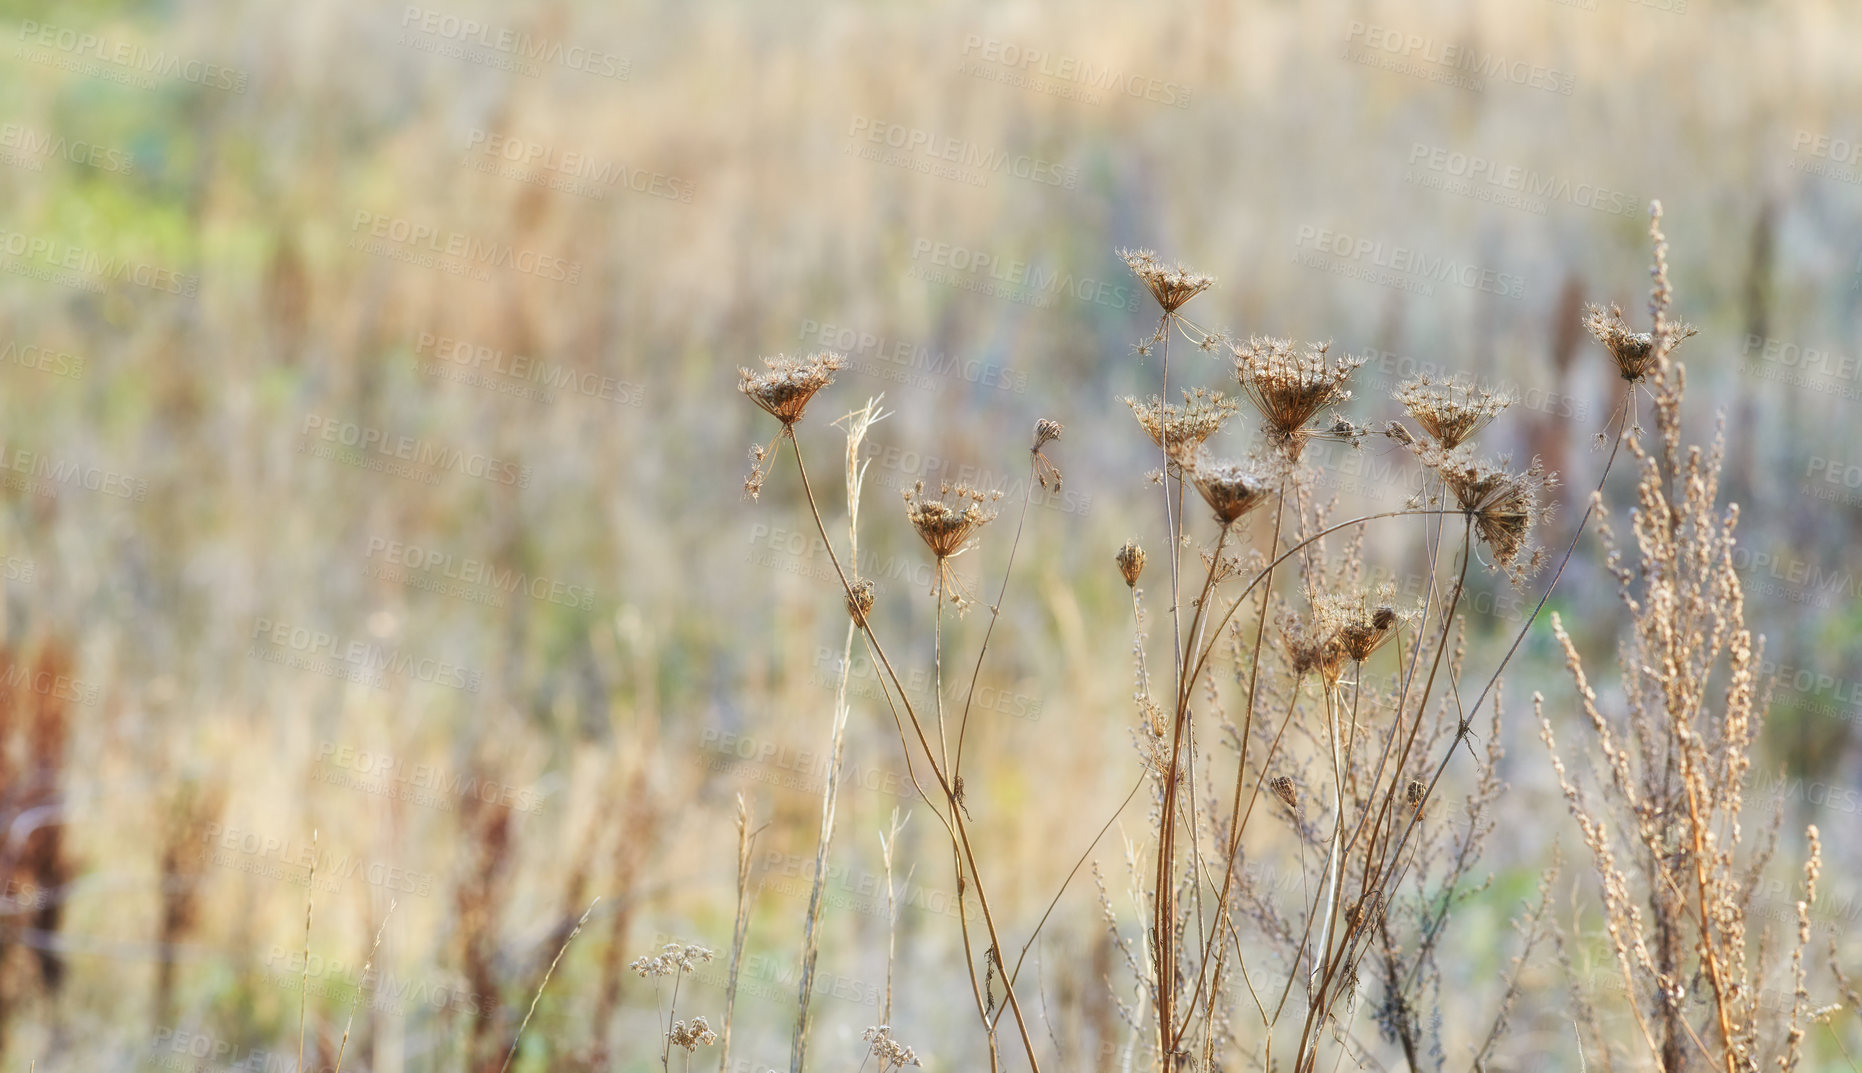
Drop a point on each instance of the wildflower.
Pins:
(1230, 488)
(1505, 506)
(1451, 410)
(1045, 432)
(1172, 285)
(890, 1052)
(672, 958)
(1289, 388)
(1633, 351)
(946, 526)
(1365, 634)
(1313, 649)
(1130, 562)
(785, 389)
(1183, 428)
(691, 1035)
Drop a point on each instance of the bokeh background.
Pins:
(373, 465)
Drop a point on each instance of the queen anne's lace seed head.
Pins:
(1506, 507)
(891, 1053)
(1290, 387)
(1230, 488)
(787, 385)
(1451, 410)
(1172, 285)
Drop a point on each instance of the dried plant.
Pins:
(1661, 817)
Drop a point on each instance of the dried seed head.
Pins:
(671, 959)
(1283, 789)
(889, 1051)
(1451, 410)
(1171, 284)
(1046, 431)
(1361, 636)
(785, 389)
(1290, 387)
(1313, 649)
(860, 601)
(1505, 506)
(1131, 562)
(1230, 488)
(946, 525)
(691, 1035)
(1633, 351)
(1414, 793)
(1184, 428)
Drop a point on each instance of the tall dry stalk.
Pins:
(855, 424)
(1662, 816)
(740, 927)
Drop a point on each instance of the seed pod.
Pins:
(1283, 789)
(1131, 562)
(1415, 793)
(860, 601)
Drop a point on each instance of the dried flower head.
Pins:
(1505, 506)
(1415, 792)
(946, 525)
(1046, 431)
(1451, 410)
(1291, 387)
(691, 1035)
(672, 958)
(1172, 285)
(1230, 488)
(1131, 562)
(860, 601)
(1364, 633)
(1633, 351)
(890, 1052)
(1313, 649)
(785, 389)
(1283, 789)
(1183, 428)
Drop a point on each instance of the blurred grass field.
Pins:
(341, 335)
